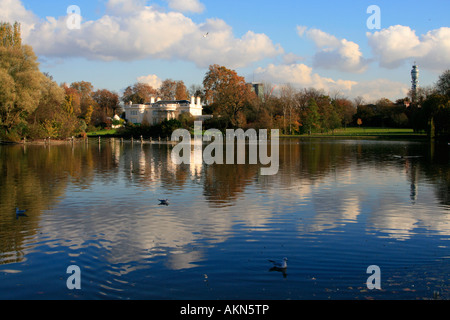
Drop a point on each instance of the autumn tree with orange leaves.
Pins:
(227, 93)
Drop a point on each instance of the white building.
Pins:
(156, 112)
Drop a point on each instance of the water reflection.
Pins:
(103, 198)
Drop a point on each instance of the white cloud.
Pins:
(152, 80)
(221, 47)
(133, 31)
(302, 76)
(301, 30)
(373, 90)
(186, 5)
(395, 45)
(291, 58)
(334, 53)
(13, 10)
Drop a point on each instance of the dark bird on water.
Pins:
(20, 213)
(164, 202)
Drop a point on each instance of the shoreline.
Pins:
(153, 141)
(368, 136)
(376, 135)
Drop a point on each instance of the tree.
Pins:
(228, 92)
(288, 100)
(435, 113)
(359, 122)
(139, 93)
(20, 81)
(181, 92)
(442, 120)
(311, 121)
(333, 120)
(173, 90)
(196, 90)
(420, 95)
(72, 100)
(167, 90)
(51, 101)
(264, 120)
(187, 120)
(10, 36)
(88, 114)
(345, 110)
(106, 103)
(54, 117)
(443, 84)
(325, 109)
(359, 101)
(84, 89)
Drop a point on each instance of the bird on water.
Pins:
(280, 264)
(20, 213)
(164, 202)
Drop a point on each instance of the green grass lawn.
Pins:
(372, 131)
(348, 132)
(369, 132)
(101, 132)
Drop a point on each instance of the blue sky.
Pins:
(321, 44)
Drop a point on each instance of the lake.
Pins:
(335, 207)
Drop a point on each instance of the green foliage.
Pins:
(442, 120)
(186, 120)
(312, 119)
(118, 122)
(383, 113)
(32, 105)
(168, 126)
(161, 130)
(434, 115)
(20, 80)
(333, 120)
(443, 84)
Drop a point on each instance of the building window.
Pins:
(133, 112)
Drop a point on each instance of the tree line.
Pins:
(304, 111)
(430, 111)
(34, 106)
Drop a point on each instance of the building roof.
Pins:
(173, 101)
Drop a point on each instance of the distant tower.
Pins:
(414, 81)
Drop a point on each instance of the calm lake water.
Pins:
(334, 208)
